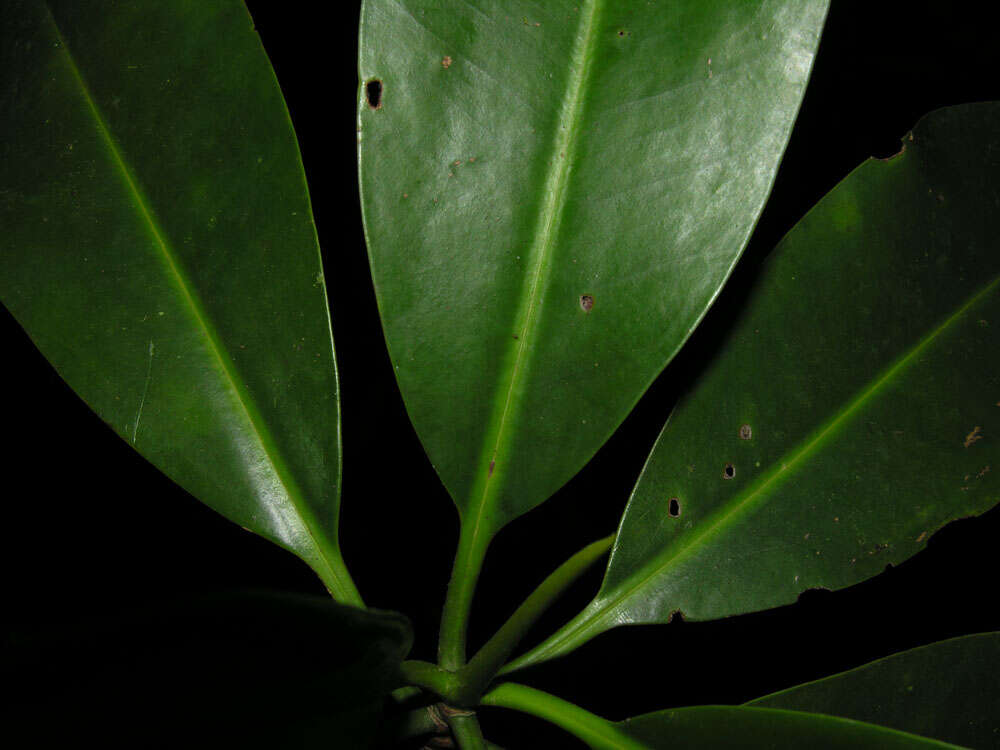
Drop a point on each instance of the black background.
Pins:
(91, 529)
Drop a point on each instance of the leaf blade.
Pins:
(871, 400)
(143, 261)
(743, 727)
(493, 190)
(946, 690)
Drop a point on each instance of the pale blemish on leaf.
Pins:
(145, 390)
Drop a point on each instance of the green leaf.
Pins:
(734, 727)
(159, 248)
(553, 194)
(248, 670)
(855, 399)
(946, 690)
(706, 726)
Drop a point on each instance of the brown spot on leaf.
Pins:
(902, 148)
(493, 464)
(746, 432)
(446, 62)
(729, 471)
(586, 302)
(973, 436)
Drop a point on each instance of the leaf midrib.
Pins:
(550, 214)
(251, 413)
(607, 605)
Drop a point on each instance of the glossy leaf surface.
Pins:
(735, 727)
(851, 411)
(553, 194)
(159, 248)
(946, 690)
(247, 670)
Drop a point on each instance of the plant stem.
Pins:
(465, 729)
(430, 677)
(419, 722)
(472, 543)
(599, 733)
(476, 675)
